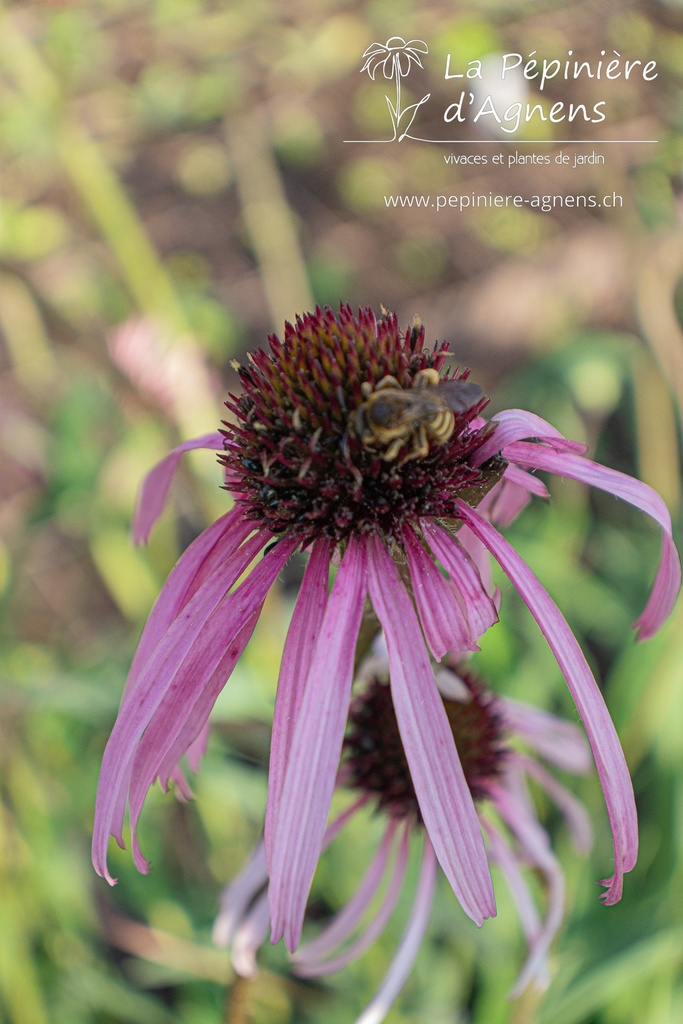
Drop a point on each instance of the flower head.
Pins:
(325, 432)
(497, 740)
(350, 442)
(394, 57)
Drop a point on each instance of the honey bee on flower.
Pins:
(395, 418)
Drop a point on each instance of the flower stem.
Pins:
(526, 1008)
(237, 1003)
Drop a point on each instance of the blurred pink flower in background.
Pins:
(374, 764)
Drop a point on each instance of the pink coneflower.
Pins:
(345, 445)
(487, 731)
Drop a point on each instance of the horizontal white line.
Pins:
(517, 142)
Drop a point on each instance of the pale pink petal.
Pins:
(184, 712)
(195, 642)
(511, 802)
(225, 575)
(560, 742)
(575, 813)
(609, 757)
(518, 424)
(238, 896)
(183, 790)
(219, 541)
(481, 559)
(442, 792)
(152, 495)
(410, 943)
(315, 751)
(443, 621)
(509, 864)
(479, 608)
(664, 592)
(249, 938)
(668, 580)
(310, 966)
(296, 659)
(197, 749)
(338, 823)
(174, 734)
(346, 920)
(511, 500)
(528, 481)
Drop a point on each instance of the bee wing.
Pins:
(460, 395)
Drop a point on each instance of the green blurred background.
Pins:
(174, 184)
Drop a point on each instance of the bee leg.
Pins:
(422, 446)
(394, 448)
(443, 426)
(388, 382)
(426, 378)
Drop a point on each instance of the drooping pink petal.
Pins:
(374, 929)
(528, 481)
(237, 897)
(249, 937)
(225, 575)
(155, 487)
(220, 540)
(511, 500)
(443, 621)
(409, 945)
(296, 659)
(310, 958)
(186, 708)
(479, 607)
(197, 749)
(512, 803)
(509, 864)
(511, 495)
(183, 791)
(602, 736)
(337, 824)
(442, 792)
(315, 750)
(518, 424)
(574, 812)
(559, 742)
(171, 735)
(668, 580)
(194, 643)
(481, 559)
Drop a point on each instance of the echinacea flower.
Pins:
(487, 731)
(345, 444)
(394, 57)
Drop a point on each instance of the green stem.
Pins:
(237, 1003)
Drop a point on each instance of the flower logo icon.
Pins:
(396, 58)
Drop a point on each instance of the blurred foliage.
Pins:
(173, 184)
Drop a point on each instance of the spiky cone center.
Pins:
(375, 760)
(299, 457)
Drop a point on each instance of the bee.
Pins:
(393, 417)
